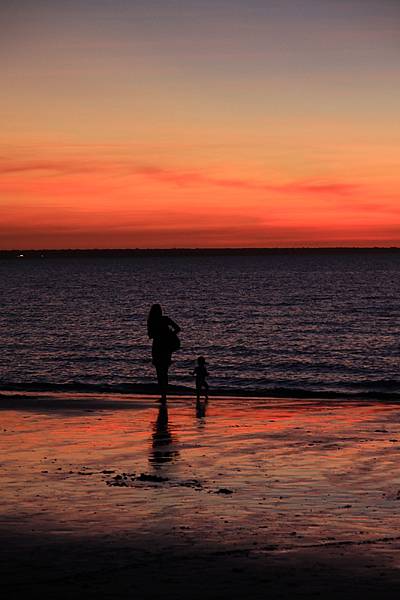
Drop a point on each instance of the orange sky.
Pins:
(220, 124)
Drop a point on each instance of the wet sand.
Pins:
(117, 497)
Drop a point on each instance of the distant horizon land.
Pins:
(193, 251)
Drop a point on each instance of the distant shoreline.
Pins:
(158, 252)
(67, 401)
(15, 390)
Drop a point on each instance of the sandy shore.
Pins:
(115, 497)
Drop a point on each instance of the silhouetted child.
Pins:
(201, 373)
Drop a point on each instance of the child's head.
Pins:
(201, 361)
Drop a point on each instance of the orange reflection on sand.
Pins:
(321, 469)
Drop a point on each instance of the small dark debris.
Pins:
(152, 478)
(224, 491)
(120, 483)
(193, 483)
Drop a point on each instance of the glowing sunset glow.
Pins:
(199, 124)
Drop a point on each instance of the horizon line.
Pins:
(197, 249)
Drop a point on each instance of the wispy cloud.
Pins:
(174, 176)
(198, 178)
(43, 167)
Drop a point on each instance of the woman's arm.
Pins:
(174, 325)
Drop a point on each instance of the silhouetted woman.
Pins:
(163, 331)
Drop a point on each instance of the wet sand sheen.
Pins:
(289, 497)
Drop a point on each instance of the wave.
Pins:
(370, 391)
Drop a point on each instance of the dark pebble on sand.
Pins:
(153, 478)
(193, 483)
(224, 491)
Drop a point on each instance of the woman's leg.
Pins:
(162, 379)
(162, 362)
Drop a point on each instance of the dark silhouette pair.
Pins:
(164, 333)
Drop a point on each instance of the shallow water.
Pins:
(304, 322)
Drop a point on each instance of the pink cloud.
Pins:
(197, 178)
(178, 177)
(60, 167)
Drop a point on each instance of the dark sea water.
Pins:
(287, 323)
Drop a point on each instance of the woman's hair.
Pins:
(155, 315)
(201, 360)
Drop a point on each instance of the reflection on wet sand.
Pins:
(163, 448)
(263, 477)
(201, 411)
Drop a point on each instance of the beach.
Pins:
(116, 496)
(200, 197)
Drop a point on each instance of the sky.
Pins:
(199, 123)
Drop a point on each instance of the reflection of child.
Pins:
(201, 373)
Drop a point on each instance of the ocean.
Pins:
(286, 323)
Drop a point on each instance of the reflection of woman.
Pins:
(162, 330)
(163, 442)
